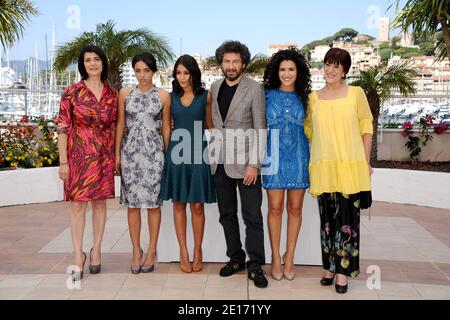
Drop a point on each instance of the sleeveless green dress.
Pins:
(187, 177)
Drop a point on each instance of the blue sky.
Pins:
(203, 25)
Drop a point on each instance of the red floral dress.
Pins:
(89, 125)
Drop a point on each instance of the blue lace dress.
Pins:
(286, 162)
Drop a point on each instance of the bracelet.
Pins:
(63, 163)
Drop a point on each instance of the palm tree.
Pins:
(119, 46)
(255, 67)
(13, 17)
(378, 83)
(426, 17)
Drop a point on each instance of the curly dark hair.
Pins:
(191, 64)
(233, 47)
(303, 82)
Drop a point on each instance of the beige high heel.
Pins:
(277, 276)
(290, 276)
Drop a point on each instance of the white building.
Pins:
(128, 77)
(406, 40)
(7, 76)
(433, 76)
(363, 57)
(274, 48)
(383, 29)
(319, 52)
(317, 79)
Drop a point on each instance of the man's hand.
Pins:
(251, 176)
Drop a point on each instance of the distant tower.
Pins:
(383, 29)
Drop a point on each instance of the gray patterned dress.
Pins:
(142, 155)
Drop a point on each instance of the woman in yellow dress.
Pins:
(339, 127)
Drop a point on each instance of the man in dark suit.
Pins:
(238, 115)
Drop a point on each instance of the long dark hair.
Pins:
(98, 51)
(303, 82)
(196, 76)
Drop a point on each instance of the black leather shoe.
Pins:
(326, 282)
(231, 268)
(258, 278)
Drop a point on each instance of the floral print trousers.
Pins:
(340, 232)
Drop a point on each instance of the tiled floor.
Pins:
(408, 245)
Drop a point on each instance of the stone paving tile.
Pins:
(95, 294)
(398, 289)
(410, 244)
(428, 278)
(444, 267)
(21, 281)
(14, 293)
(34, 268)
(432, 292)
(49, 294)
(218, 294)
(139, 294)
(182, 294)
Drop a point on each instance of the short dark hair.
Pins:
(98, 51)
(191, 64)
(147, 58)
(233, 47)
(302, 83)
(339, 56)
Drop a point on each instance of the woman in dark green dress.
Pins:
(187, 177)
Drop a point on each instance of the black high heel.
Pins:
(341, 289)
(76, 276)
(94, 269)
(326, 282)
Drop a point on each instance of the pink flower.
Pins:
(441, 128)
(408, 125)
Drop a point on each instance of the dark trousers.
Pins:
(251, 202)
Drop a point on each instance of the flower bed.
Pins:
(24, 145)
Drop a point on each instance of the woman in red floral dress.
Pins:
(86, 126)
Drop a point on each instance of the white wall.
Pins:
(422, 188)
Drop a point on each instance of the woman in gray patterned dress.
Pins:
(142, 136)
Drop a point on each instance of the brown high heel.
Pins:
(185, 267)
(198, 265)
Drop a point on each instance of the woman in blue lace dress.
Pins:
(287, 80)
